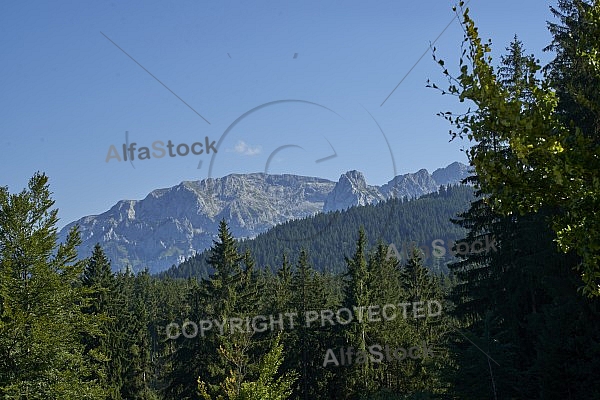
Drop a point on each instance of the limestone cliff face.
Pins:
(352, 190)
(172, 224)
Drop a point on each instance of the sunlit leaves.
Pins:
(550, 161)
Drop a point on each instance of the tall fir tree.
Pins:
(98, 278)
(358, 297)
(41, 319)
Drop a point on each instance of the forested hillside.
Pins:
(383, 329)
(331, 236)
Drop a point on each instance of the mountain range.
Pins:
(173, 224)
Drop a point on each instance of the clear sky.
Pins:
(69, 91)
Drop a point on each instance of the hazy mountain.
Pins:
(410, 185)
(172, 224)
(448, 175)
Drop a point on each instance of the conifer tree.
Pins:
(422, 289)
(307, 342)
(385, 286)
(358, 296)
(267, 386)
(231, 292)
(41, 318)
(98, 278)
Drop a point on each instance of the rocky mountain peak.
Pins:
(354, 178)
(174, 223)
(450, 174)
(351, 190)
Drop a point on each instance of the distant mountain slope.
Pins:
(411, 185)
(448, 175)
(393, 221)
(172, 224)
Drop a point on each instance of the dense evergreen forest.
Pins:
(521, 322)
(329, 237)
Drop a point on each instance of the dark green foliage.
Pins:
(512, 324)
(516, 338)
(42, 324)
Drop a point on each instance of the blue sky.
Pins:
(69, 93)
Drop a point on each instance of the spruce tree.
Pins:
(41, 320)
(98, 278)
(231, 292)
(357, 298)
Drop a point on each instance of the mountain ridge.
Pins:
(172, 224)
